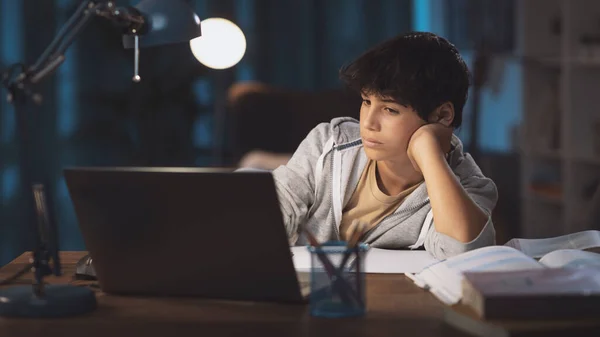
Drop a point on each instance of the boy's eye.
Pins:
(366, 102)
(392, 111)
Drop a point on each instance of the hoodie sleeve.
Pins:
(295, 181)
(485, 194)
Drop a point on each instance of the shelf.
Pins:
(560, 78)
(543, 153)
(552, 61)
(547, 198)
(585, 160)
(548, 61)
(585, 62)
(550, 200)
(556, 61)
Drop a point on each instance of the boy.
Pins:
(400, 170)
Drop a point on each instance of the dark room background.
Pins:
(94, 115)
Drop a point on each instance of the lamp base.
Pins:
(60, 300)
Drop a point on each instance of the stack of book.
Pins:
(554, 278)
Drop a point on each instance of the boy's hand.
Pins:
(429, 139)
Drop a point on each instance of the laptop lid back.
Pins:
(184, 231)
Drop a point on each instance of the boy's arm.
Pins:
(295, 181)
(462, 216)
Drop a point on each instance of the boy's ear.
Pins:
(443, 114)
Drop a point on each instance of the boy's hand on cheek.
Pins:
(429, 140)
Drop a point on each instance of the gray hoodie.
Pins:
(318, 181)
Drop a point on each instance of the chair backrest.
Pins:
(277, 120)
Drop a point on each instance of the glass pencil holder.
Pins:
(337, 280)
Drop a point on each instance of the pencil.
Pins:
(352, 247)
(358, 232)
(331, 270)
(315, 243)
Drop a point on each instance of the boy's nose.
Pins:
(370, 119)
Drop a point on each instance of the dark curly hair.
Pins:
(419, 70)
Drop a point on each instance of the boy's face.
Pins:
(386, 128)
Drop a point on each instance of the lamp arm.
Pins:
(61, 34)
(58, 47)
(48, 69)
(127, 18)
(76, 30)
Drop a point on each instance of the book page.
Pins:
(571, 258)
(537, 248)
(444, 279)
(377, 260)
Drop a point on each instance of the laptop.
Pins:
(202, 232)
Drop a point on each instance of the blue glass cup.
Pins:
(337, 280)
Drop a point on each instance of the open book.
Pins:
(444, 279)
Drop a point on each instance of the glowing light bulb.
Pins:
(222, 44)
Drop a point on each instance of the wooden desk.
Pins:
(395, 307)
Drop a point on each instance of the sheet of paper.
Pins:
(397, 261)
(539, 247)
(571, 258)
(380, 261)
(301, 258)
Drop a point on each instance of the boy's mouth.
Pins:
(370, 142)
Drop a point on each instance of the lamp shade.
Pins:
(167, 21)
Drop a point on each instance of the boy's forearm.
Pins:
(454, 212)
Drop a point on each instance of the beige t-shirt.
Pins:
(368, 203)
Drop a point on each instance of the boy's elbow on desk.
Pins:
(442, 246)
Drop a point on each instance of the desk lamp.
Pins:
(150, 23)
